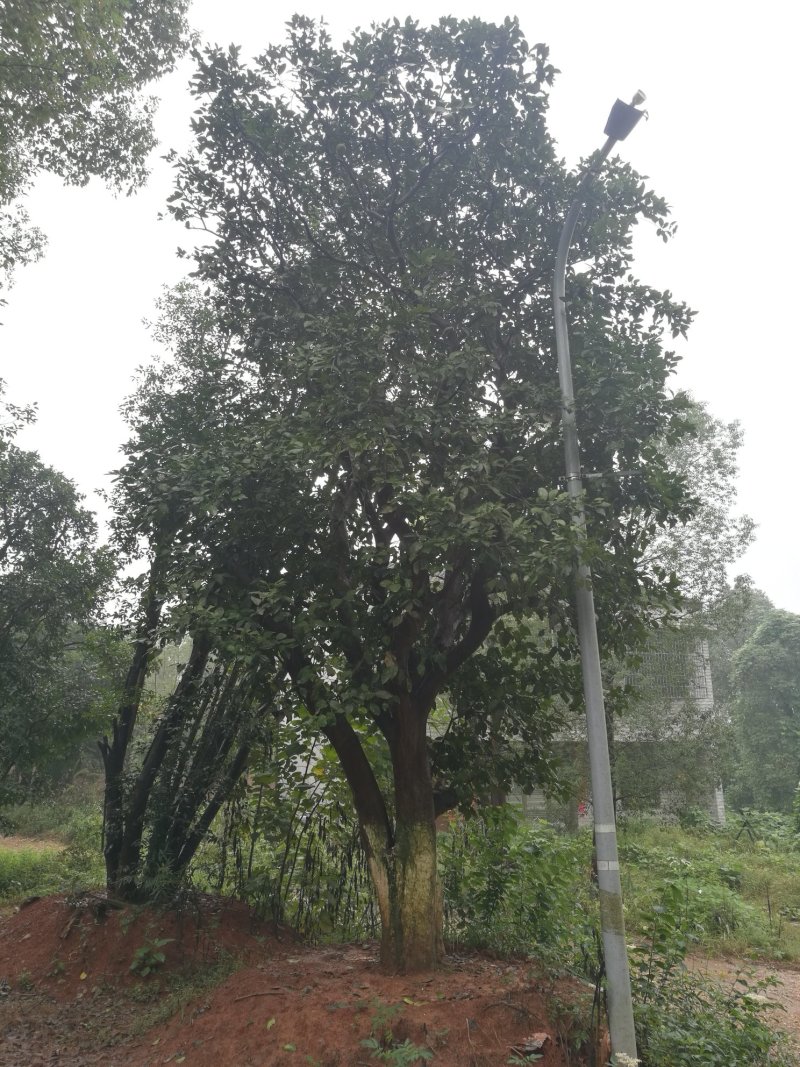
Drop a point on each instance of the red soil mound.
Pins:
(287, 1004)
(62, 944)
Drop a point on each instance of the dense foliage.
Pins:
(348, 477)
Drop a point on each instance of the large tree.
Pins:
(72, 74)
(358, 454)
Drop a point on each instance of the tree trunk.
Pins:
(115, 751)
(413, 939)
(401, 862)
(373, 820)
(167, 733)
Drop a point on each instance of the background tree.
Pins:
(700, 549)
(363, 481)
(52, 583)
(732, 621)
(71, 101)
(671, 742)
(766, 712)
(672, 745)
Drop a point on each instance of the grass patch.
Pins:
(164, 1000)
(78, 865)
(25, 872)
(59, 821)
(47, 819)
(740, 894)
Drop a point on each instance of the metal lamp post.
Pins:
(622, 119)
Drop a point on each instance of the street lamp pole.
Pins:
(621, 121)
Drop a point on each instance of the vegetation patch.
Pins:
(739, 885)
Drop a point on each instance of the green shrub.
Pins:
(693, 1021)
(771, 828)
(516, 888)
(741, 891)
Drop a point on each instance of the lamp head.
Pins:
(623, 117)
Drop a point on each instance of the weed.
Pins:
(515, 888)
(738, 890)
(382, 1043)
(25, 871)
(149, 957)
(382, 1019)
(127, 918)
(182, 990)
(144, 994)
(439, 1037)
(405, 1055)
(25, 981)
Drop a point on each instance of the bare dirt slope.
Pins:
(233, 992)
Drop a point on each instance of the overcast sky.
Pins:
(719, 145)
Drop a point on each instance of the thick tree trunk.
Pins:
(401, 861)
(413, 939)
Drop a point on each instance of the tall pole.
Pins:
(612, 924)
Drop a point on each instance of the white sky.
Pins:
(721, 85)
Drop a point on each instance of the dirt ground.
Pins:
(30, 844)
(785, 994)
(232, 993)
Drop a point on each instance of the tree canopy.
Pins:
(348, 474)
(71, 102)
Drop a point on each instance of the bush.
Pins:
(740, 892)
(516, 888)
(771, 828)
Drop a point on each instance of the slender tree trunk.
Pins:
(165, 736)
(115, 751)
(377, 838)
